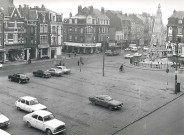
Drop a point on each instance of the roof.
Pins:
(100, 14)
(42, 113)
(28, 98)
(177, 14)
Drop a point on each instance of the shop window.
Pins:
(44, 51)
(179, 30)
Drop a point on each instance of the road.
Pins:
(168, 120)
(67, 96)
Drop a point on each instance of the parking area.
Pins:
(67, 97)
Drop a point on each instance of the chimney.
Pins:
(174, 11)
(61, 16)
(70, 15)
(102, 10)
(91, 9)
(79, 9)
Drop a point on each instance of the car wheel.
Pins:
(48, 132)
(20, 81)
(28, 124)
(18, 108)
(111, 108)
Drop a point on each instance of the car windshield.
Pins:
(49, 117)
(22, 76)
(34, 102)
(108, 98)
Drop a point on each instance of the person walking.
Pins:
(121, 68)
(78, 62)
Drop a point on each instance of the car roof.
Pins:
(102, 96)
(42, 113)
(60, 66)
(28, 98)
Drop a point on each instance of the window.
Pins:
(27, 102)
(70, 38)
(82, 30)
(76, 21)
(41, 28)
(75, 38)
(53, 29)
(15, 38)
(179, 30)
(22, 101)
(44, 51)
(32, 40)
(34, 116)
(40, 118)
(179, 21)
(53, 18)
(32, 30)
(45, 28)
(43, 39)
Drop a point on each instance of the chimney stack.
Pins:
(102, 10)
(91, 9)
(79, 9)
(70, 14)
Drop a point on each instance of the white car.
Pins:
(55, 72)
(137, 54)
(1, 65)
(64, 69)
(4, 121)
(2, 132)
(128, 56)
(145, 48)
(44, 121)
(134, 49)
(29, 104)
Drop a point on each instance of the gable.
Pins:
(15, 15)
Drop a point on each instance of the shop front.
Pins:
(85, 48)
(43, 51)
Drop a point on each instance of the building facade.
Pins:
(86, 31)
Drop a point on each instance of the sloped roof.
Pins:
(136, 19)
(100, 14)
(33, 14)
(177, 14)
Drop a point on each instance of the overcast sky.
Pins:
(126, 6)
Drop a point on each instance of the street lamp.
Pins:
(107, 38)
(1, 12)
(176, 66)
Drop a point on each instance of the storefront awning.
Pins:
(82, 44)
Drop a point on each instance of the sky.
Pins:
(126, 6)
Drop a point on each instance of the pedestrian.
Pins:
(121, 67)
(78, 62)
(63, 64)
(60, 63)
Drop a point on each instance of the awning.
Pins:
(82, 44)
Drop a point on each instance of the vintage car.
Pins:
(55, 72)
(19, 77)
(128, 56)
(106, 101)
(41, 73)
(44, 121)
(4, 121)
(29, 104)
(2, 132)
(64, 69)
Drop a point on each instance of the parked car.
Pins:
(145, 48)
(29, 104)
(128, 56)
(134, 49)
(1, 65)
(64, 69)
(55, 72)
(41, 73)
(127, 49)
(108, 53)
(4, 121)
(44, 121)
(137, 54)
(19, 77)
(106, 101)
(2, 132)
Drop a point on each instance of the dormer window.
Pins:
(179, 21)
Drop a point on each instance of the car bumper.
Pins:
(57, 132)
(5, 124)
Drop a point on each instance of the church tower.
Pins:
(157, 38)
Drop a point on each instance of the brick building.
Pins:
(86, 31)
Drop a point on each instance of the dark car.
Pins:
(41, 73)
(19, 77)
(106, 101)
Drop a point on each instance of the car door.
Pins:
(40, 123)
(33, 120)
(14, 77)
(27, 106)
(21, 104)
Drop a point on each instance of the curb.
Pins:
(136, 120)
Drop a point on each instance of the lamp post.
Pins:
(176, 66)
(3, 57)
